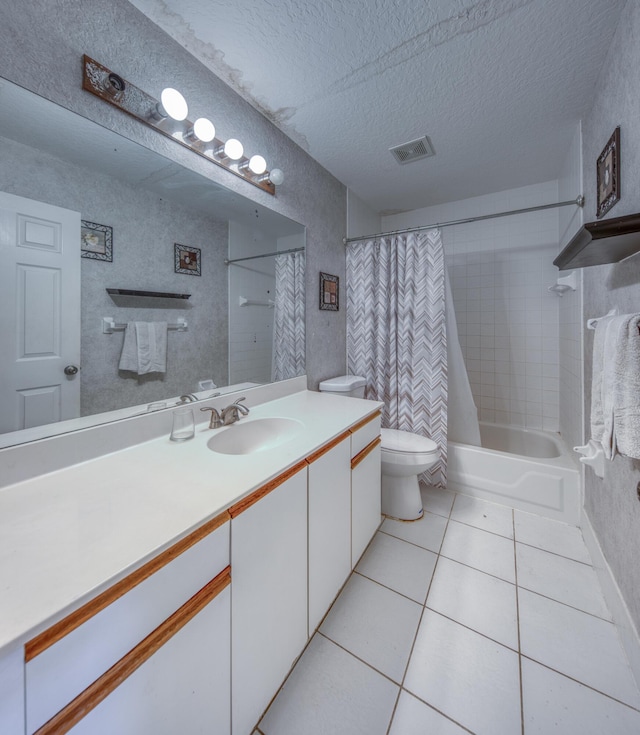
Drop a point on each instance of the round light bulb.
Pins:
(204, 130)
(233, 149)
(174, 104)
(276, 177)
(257, 165)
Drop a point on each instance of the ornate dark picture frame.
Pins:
(608, 175)
(329, 292)
(187, 260)
(96, 241)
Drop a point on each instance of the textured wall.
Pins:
(41, 47)
(145, 228)
(507, 320)
(612, 504)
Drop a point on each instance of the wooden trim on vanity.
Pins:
(258, 494)
(365, 421)
(366, 451)
(91, 697)
(62, 628)
(328, 447)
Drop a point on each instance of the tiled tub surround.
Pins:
(474, 619)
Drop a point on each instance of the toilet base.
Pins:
(401, 498)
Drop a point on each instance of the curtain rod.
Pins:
(264, 255)
(578, 201)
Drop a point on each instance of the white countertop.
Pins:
(67, 535)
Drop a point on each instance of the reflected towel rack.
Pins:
(248, 302)
(593, 323)
(109, 325)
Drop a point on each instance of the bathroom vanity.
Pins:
(171, 587)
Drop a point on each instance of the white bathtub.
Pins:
(524, 469)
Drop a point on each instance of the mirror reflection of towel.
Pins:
(144, 349)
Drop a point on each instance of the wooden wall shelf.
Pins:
(153, 294)
(598, 243)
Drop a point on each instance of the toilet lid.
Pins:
(395, 440)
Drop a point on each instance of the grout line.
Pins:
(495, 576)
(473, 630)
(386, 587)
(448, 717)
(515, 567)
(566, 604)
(362, 661)
(555, 553)
(582, 683)
(411, 543)
(478, 528)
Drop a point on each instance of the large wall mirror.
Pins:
(127, 219)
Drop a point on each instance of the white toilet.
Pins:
(404, 457)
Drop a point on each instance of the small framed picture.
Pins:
(96, 241)
(608, 174)
(187, 260)
(329, 292)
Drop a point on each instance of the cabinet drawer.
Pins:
(364, 434)
(64, 660)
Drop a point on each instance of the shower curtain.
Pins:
(396, 335)
(288, 318)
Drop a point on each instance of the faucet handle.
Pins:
(243, 409)
(216, 421)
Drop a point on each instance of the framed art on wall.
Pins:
(329, 292)
(608, 175)
(96, 241)
(187, 259)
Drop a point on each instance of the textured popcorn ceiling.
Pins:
(498, 85)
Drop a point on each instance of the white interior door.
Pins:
(40, 319)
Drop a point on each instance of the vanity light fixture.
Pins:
(203, 130)
(232, 149)
(169, 117)
(274, 177)
(256, 164)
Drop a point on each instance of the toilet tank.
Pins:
(344, 385)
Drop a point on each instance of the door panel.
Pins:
(40, 299)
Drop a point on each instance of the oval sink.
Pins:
(256, 435)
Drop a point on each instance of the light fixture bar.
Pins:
(102, 82)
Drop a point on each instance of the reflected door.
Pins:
(40, 317)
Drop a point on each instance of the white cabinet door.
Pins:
(365, 500)
(269, 597)
(329, 528)
(184, 687)
(12, 692)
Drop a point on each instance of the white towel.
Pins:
(620, 387)
(597, 417)
(144, 349)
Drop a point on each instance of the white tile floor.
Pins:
(474, 619)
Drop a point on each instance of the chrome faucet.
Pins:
(231, 414)
(216, 419)
(187, 398)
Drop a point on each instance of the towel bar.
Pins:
(109, 325)
(593, 323)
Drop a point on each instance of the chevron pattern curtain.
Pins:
(396, 334)
(288, 318)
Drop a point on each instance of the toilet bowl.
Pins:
(404, 456)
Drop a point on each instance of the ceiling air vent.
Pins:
(413, 151)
